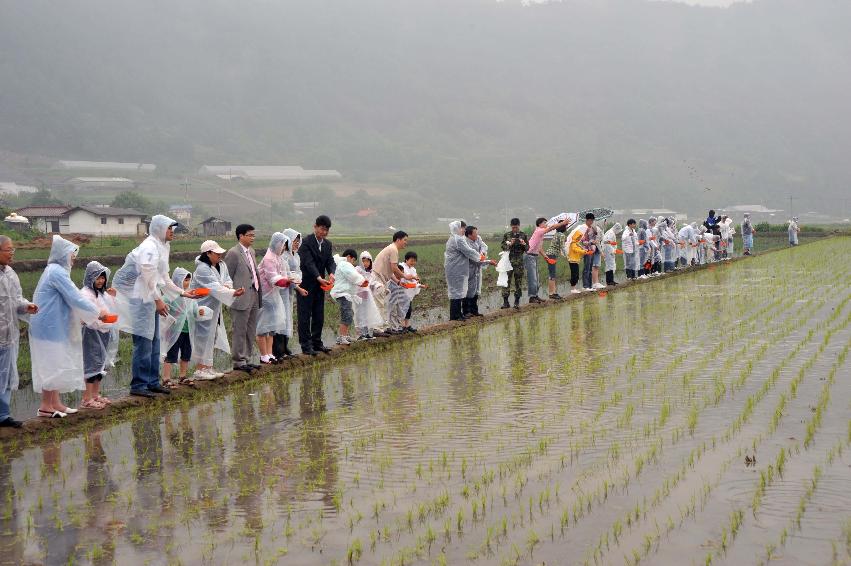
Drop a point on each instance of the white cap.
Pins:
(212, 246)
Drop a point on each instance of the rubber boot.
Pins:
(465, 309)
(505, 304)
(610, 278)
(474, 306)
(455, 309)
(516, 300)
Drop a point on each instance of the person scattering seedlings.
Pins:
(100, 339)
(55, 337)
(368, 319)
(748, 230)
(412, 286)
(575, 254)
(536, 242)
(176, 333)
(347, 283)
(470, 304)
(555, 250)
(630, 246)
(610, 247)
(274, 317)
(456, 264)
(281, 342)
(211, 273)
(793, 230)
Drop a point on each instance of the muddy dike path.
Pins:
(701, 417)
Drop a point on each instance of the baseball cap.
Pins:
(212, 246)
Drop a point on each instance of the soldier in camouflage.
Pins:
(515, 243)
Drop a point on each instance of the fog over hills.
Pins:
(471, 103)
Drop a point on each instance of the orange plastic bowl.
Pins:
(409, 285)
(110, 318)
(202, 292)
(326, 288)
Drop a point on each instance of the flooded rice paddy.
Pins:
(692, 420)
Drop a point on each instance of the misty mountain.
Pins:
(473, 102)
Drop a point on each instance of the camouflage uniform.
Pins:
(515, 256)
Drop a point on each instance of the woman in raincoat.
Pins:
(177, 329)
(211, 273)
(100, 339)
(280, 342)
(274, 318)
(56, 342)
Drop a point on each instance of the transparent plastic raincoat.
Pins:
(474, 282)
(367, 315)
(609, 256)
(100, 339)
(13, 307)
(56, 343)
(183, 314)
(456, 262)
(143, 279)
(274, 316)
(294, 266)
(210, 334)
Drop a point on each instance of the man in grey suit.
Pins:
(242, 267)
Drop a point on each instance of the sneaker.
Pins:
(587, 289)
(363, 338)
(343, 341)
(643, 277)
(411, 329)
(556, 297)
(215, 373)
(598, 286)
(576, 291)
(205, 374)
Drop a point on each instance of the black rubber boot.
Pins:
(455, 309)
(610, 278)
(465, 309)
(516, 300)
(505, 304)
(474, 306)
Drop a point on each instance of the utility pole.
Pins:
(186, 184)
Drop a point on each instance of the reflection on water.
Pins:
(507, 442)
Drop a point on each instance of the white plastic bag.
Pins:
(503, 267)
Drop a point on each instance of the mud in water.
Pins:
(702, 418)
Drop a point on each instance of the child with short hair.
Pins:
(410, 282)
(347, 283)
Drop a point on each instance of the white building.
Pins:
(102, 183)
(16, 189)
(267, 173)
(105, 166)
(102, 221)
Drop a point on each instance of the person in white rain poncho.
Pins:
(368, 318)
(668, 238)
(13, 307)
(56, 342)
(274, 318)
(630, 246)
(211, 273)
(280, 342)
(793, 231)
(688, 241)
(100, 339)
(177, 329)
(470, 304)
(727, 233)
(610, 249)
(142, 282)
(347, 285)
(456, 265)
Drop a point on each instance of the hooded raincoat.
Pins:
(183, 314)
(100, 339)
(367, 315)
(474, 282)
(274, 316)
(210, 334)
(293, 261)
(143, 279)
(610, 245)
(456, 262)
(13, 307)
(56, 342)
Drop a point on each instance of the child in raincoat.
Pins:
(274, 318)
(100, 339)
(211, 273)
(575, 253)
(347, 284)
(368, 319)
(410, 282)
(56, 342)
(610, 248)
(176, 332)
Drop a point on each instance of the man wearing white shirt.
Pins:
(242, 267)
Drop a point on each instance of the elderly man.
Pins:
(13, 307)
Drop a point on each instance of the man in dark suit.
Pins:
(242, 267)
(317, 268)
